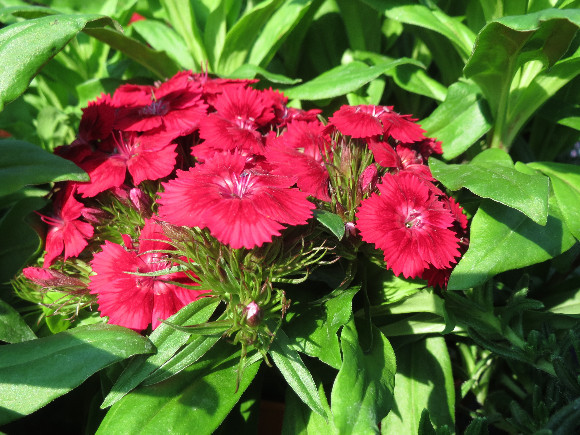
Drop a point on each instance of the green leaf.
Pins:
(248, 71)
(25, 47)
(565, 181)
(300, 419)
(23, 163)
(331, 221)
(491, 174)
(163, 38)
(497, 232)
(13, 329)
(506, 44)
(342, 80)
(314, 328)
(34, 373)
(167, 340)
(431, 18)
(295, 372)
(198, 399)
(460, 121)
(240, 39)
(424, 380)
(362, 393)
(415, 79)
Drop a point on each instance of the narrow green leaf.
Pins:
(158, 62)
(54, 365)
(167, 340)
(240, 39)
(415, 79)
(565, 181)
(424, 380)
(25, 47)
(342, 80)
(460, 121)
(295, 372)
(248, 71)
(13, 329)
(300, 419)
(163, 38)
(331, 221)
(197, 399)
(23, 163)
(497, 232)
(491, 174)
(362, 393)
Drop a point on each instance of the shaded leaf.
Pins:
(331, 221)
(13, 329)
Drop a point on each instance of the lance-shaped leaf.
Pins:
(26, 46)
(13, 328)
(34, 373)
(506, 44)
(565, 181)
(362, 393)
(424, 380)
(167, 340)
(197, 399)
(460, 121)
(23, 163)
(491, 174)
(499, 237)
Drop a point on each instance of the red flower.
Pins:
(366, 121)
(241, 206)
(401, 159)
(66, 231)
(300, 152)
(135, 301)
(409, 223)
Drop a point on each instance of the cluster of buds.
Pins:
(203, 187)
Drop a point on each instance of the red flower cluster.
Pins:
(242, 164)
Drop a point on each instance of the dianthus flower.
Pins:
(241, 205)
(409, 223)
(135, 301)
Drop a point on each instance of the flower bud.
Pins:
(50, 278)
(368, 179)
(253, 314)
(141, 201)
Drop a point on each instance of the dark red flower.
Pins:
(240, 206)
(409, 224)
(135, 301)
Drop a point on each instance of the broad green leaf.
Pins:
(314, 328)
(18, 240)
(300, 419)
(416, 80)
(424, 301)
(158, 62)
(198, 399)
(248, 71)
(295, 372)
(491, 174)
(276, 31)
(167, 340)
(460, 121)
(34, 373)
(25, 47)
(23, 163)
(342, 80)
(331, 221)
(384, 287)
(182, 18)
(13, 329)
(163, 38)
(499, 238)
(362, 393)
(431, 18)
(565, 181)
(240, 39)
(362, 23)
(506, 44)
(424, 380)
(415, 324)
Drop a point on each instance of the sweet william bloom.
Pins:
(66, 230)
(136, 301)
(409, 223)
(241, 205)
(366, 121)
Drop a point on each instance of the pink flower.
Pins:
(66, 231)
(135, 301)
(366, 121)
(241, 205)
(409, 224)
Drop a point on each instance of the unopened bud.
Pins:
(368, 179)
(350, 229)
(253, 314)
(141, 201)
(50, 278)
